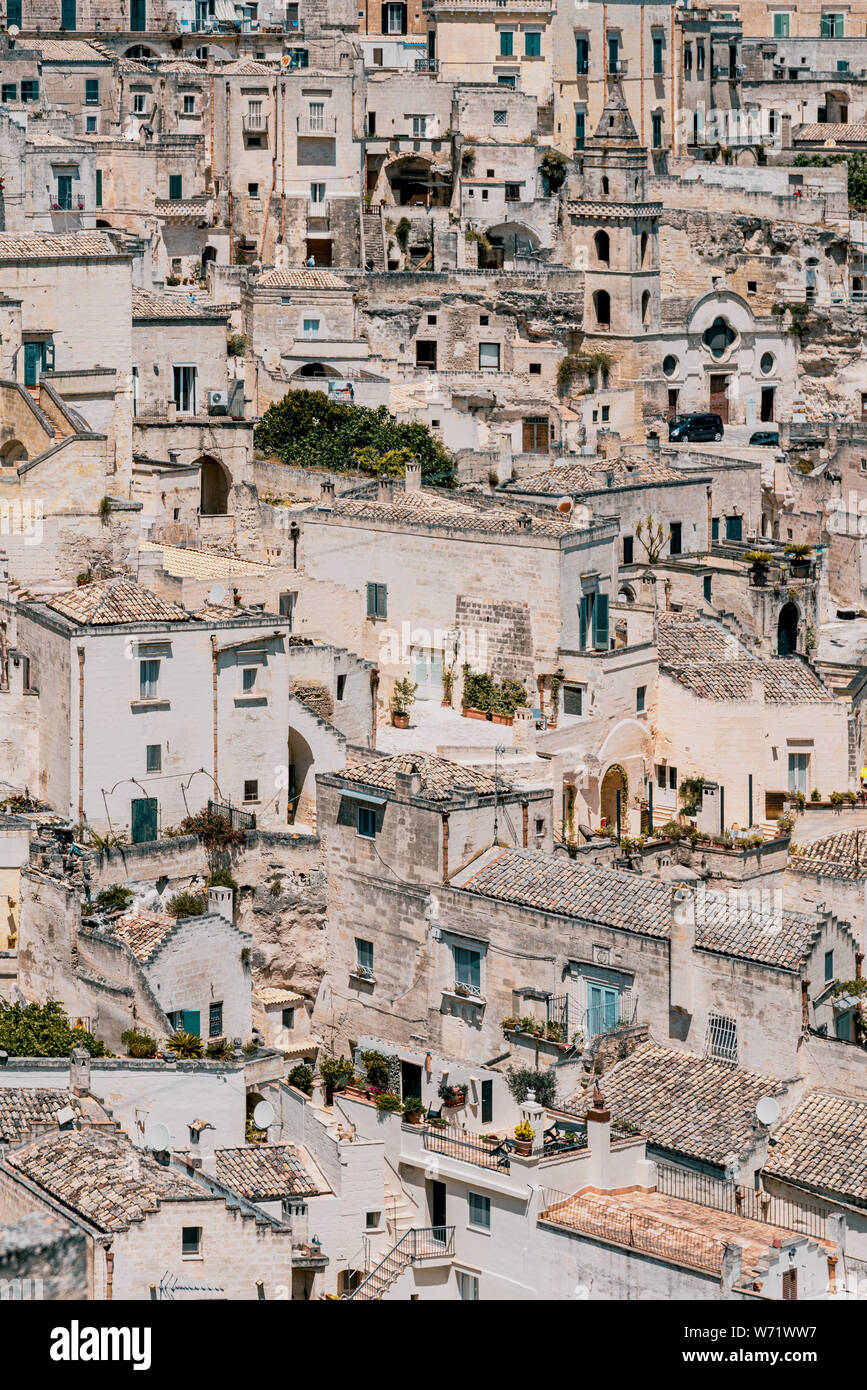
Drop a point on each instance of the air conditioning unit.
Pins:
(218, 402)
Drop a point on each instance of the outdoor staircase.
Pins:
(399, 1215)
(374, 240)
(430, 1242)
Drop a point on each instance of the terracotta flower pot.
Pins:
(400, 721)
(524, 1147)
(414, 1119)
(502, 719)
(454, 1104)
(474, 713)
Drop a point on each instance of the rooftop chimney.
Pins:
(326, 492)
(79, 1071)
(412, 477)
(220, 901)
(384, 490)
(608, 444)
(681, 957)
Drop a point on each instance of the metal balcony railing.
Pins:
(317, 125)
(255, 122)
(419, 1243)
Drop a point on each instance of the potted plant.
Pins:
(799, 556)
(376, 1069)
(524, 1136)
(453, 1097)
(758, 561)
(402, 701)
(389, 1103)
(448, 686)
(437, 1122)
(413, 1110)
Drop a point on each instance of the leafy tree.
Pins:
(43, 1030)
(307, 428)
(856, 168)
(301, 1077)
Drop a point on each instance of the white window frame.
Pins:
(180, 395)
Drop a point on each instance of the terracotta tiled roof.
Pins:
(632, 903)
(710, 662)
(836, 856)
(103, 1177)
(59, 246)
(430, 509)
(202, 564)
(439, 777)
(120, 600)
(576, 478)
(167, 306)
(823, 1146)
(65, 50)
(23, 1106)
(270, 995)
(684, 1103)
(683, 1233)
(143, 932)
(265, 1172)
(306, 279)
(843, 132)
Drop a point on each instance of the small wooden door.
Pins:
(719, 402)
(410, 1080)
(437, 1203)
(143, 819)
(32, 363)
(790, 1285)
(487, 1102)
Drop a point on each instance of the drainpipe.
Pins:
(214, 701)
(81, 735)
(540, 681)
(294, 532)
(229, 181)
(374, 704)
(859, 965)
(445, 848)
(524, 821)
(109, 1273)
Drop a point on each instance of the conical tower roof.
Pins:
(615, 124)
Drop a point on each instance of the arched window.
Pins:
(645, 306)
(602, 243)
(644, 244)
(602, 308)
(214, 500)
(719, 337)
(605, 184)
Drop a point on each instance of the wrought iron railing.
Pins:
(727, 1195)
(482, 1155)
(241, 820)
(419, 1243)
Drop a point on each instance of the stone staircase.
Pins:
(374, 240)
(399, 1214)
(416, 1245)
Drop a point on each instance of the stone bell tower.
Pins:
(616, 232)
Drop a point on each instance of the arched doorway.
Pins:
(209, 256)
(312, 369)
(614, 781)
(787, 630)
(214, 499)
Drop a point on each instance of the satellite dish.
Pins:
(767, 1111)
(158, 1137)
(263, 1114)
(217, 594)
(565, 505)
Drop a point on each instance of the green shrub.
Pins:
(139, 1044)
(221, 878)
(301, 1077)
(387, 1100)
(523, 1079)
(187, 904)
(114, 899)
(376, 1068)
(336, 1072)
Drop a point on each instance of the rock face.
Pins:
(286, 916)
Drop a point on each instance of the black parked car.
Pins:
(765, 437)
(695, 428)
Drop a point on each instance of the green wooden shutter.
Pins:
(600, 622)
(371, 600)
(191, 1022)
(583, 614)
(175, 187)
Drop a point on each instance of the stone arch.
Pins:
(787, 629)
(602, 245)
(614, 780)
(645, 306)
(215, 484)
(645, 242)
(139, 51)
(13, 453)
(302, 782)
(508, 241)
(316, 369)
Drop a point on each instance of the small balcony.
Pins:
(319, 127)
(618, 67)
(255, 123)
(319, 214)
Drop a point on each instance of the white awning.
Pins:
(225, 11)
